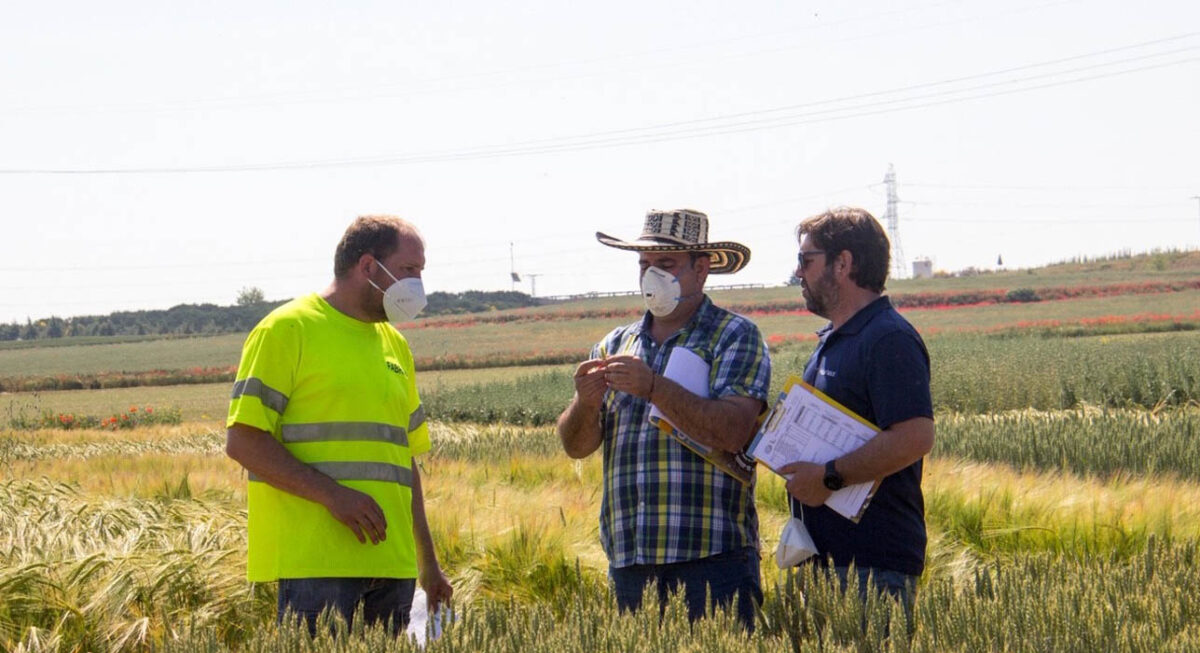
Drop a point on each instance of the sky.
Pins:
(153, 154)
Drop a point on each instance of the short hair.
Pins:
(377, 235)
(853, 229)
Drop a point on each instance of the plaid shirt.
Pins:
(663, 503)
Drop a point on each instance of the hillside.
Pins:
(211, 319)
(1137, 294)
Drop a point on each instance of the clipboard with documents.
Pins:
(807, 425)
(689, 370)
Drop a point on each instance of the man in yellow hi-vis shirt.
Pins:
(326, 418)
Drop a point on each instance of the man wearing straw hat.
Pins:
(676, 514)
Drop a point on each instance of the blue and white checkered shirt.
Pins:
(662, 502)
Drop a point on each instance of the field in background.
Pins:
(1063, 494)
(519, 336)
(207, 402)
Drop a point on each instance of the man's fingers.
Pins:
(588, 366)
(376, 524)
(441, 595)
(357, 532)
(380, 518)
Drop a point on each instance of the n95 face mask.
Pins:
(795, 545)
(660, 291)
(403, 300)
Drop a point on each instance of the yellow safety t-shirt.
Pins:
(341, 396)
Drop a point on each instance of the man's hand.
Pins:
(629, 374)
(437, 588)
(590, 383)
(264, 456)
(806, 482)
(359, 512)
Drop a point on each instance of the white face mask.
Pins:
(795, 545)
(660, 291)
(403, 300)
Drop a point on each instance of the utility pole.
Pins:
(892, 218)
(512, 267)
(533, 283)
(1197, 198)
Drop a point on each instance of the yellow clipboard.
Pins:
(773, 427)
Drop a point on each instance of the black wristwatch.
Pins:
(833, 480)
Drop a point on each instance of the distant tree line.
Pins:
(206, 319)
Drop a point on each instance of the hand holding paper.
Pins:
(805, 482)
(809, 428)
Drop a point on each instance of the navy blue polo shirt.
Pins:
(877, 366)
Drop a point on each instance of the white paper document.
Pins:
(807, 426)
(689, 370)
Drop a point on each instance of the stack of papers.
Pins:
(806, 425)
(687, 369)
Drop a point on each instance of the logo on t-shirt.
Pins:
(394, 367)
(824, 372)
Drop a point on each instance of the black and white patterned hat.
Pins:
(683, 230)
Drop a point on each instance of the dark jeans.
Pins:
(386, 600)
(717, 578)
(899, 586)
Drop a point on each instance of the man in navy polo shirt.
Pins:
(871, 360)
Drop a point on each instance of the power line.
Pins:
(725, 124)
(278, 99)
(968, 221)
(1071, 189)
(1044, 205)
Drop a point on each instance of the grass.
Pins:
(170, 354)
(1062, 497)
(126, 548)
(209, 402)
(973, 373)
(568, 334)
(1094, 442)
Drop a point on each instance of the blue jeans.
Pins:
(720, 578)
(898, 585)
(386, 600)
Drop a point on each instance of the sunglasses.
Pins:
(804, 259)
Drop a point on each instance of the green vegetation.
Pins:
(1042, 603)
(248, 309)
(210, 401)
(982, 374)
(514, 523)
(1085, 442)
(1062, 495)
(973, 373)
(566, 338)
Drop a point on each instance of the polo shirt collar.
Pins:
(859, 319)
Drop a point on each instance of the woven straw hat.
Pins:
(683, 230)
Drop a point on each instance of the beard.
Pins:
(372, 304)
(820, 297)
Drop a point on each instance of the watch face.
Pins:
(832, 480)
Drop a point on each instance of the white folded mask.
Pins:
(795, 545)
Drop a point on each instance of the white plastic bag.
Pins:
(420, 620)
(795, 545)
